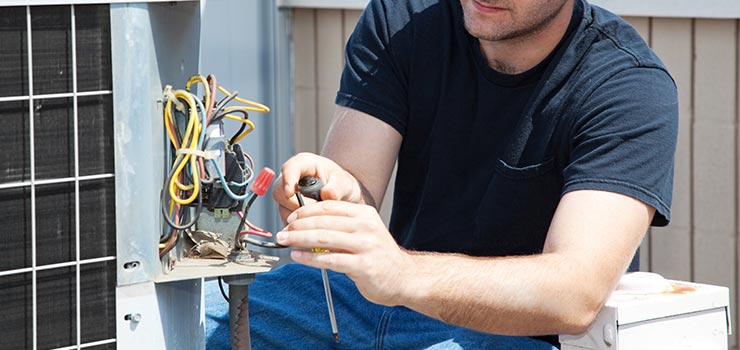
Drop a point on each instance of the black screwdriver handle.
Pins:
(310, 187)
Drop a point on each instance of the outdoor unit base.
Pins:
(658, 315)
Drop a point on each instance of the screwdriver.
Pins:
(310, 187)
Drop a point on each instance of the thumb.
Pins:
(328, 193)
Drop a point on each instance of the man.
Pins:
(535, 143)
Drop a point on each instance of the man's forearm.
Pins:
(527, 295)
(589, 245)
(367, 197)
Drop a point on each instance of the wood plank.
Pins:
(349, 21)
(668, 8)
(305, 118)
(304, 47)
(714, 156)
(305, 121)
(330, 62)
(326, 107)
(387, 204)
(642, 25)
(351, 17)
(671, 246)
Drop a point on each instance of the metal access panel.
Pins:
(159, 302)
(154, 45)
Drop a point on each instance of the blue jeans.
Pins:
(287, 310)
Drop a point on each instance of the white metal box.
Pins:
(648, 312)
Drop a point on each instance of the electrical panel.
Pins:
(210, 184)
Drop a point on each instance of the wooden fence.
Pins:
(702, 55)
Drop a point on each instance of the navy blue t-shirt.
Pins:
(484, 163)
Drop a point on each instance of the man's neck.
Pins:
(521, 54)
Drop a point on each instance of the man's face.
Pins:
(495, 20)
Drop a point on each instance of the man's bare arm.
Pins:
(365, 147)
(591, 241)
(359, 154)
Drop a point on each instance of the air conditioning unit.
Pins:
(81, 105)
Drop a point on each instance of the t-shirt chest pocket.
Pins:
(517, 206)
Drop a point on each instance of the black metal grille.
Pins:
(56, 178)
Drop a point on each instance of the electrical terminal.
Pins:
(221, 213)
(209, 174)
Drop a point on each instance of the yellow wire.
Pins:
(169, 121)
(256, 107)
(239, 119)
(190, 140)
(197, 78)
(192, 132)
(193, 139)
(246, 132)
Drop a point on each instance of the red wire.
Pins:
(252, 228)
(256, 233)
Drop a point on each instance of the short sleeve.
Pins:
(374, 79)
(625, 139)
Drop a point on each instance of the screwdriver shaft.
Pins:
(330, 304)
(327, 288)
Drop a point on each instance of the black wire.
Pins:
(164, 197)
(164, 194)
(250, 240)
(224, 101)
(221, 115)
(241, 128)
(177, 117)
(245, 211)
(263, 244)
(221, 287)
(218, 112)
(192, 222)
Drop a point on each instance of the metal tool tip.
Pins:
(336, 337)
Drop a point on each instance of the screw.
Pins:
(136, 318)
(609, 336)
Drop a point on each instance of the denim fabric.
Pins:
(287, 310)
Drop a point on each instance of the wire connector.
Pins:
(263, 181)
(168, 94)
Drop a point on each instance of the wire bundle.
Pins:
(186, 121)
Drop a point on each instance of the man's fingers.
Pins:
(284, 212)
(339, 262)
(332, 208)
(300, 165)
(291, 174)
(321, 238)
(329, 193)
(331, 223)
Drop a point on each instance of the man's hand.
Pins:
(338, 183)
(359, 245)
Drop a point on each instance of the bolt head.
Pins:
(609, 335)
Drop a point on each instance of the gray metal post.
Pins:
(239, 310)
